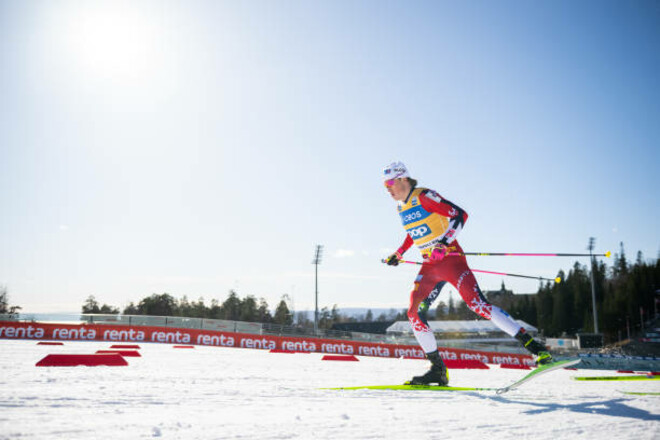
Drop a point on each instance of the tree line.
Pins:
(234, 308)
(247, 309)
(626, 296)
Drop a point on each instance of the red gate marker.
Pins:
(85, 360)
(126, 353)
(339, 357)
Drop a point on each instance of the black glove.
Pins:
(393, 260)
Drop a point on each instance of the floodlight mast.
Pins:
(318, 253)
(592, 241)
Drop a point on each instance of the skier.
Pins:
(432, 223)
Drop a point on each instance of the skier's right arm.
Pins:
(393, 260)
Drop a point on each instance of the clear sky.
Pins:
(193, 147)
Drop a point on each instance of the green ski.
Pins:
(412, 387)
(633, 393)
(535, 373)
(539, 371)
(639, 377)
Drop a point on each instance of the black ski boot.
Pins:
(535, 347)
(437, 373)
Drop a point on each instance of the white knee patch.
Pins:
(427, 341)
(505, 322)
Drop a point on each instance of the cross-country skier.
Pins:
(432, 223)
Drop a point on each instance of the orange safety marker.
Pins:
(85, 360)
(126, 353)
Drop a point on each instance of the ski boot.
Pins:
(535, 347)
(437, 373)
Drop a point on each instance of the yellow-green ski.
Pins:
(539, 371)
(412, 387)
(638, 377)
(408, 387)
(634, 393)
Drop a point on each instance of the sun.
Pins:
(111, 40)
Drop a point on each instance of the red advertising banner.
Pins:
(168, 335)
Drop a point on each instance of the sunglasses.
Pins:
(389, 183)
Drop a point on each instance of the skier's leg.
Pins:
(467, 286)
(534, 347)
(425, 290)
(419, 302)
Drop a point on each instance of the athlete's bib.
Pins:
(426, 228)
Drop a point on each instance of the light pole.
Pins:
(316, 261)
(593, 285)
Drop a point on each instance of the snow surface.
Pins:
(231, 393)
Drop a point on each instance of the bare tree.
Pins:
(5, 308)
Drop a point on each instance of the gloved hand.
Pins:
(438, 253)
(393, 260)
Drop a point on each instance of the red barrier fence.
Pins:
(167, 335)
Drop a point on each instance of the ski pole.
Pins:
(556, 280)
(512, 254)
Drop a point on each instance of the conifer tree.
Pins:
(158, 305)
(282, 314)
(248, 309)
(440, 311)
(263, 314)
(451, 312)
(231, 307)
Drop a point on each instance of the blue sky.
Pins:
(196, 147)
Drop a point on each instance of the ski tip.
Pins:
(634, 393)
(567, 363)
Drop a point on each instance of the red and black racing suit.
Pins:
(431, 221)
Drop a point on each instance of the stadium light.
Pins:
(316, 261)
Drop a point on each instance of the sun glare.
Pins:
(111, 40)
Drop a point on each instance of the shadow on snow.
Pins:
(613, 408)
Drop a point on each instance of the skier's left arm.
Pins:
(433, 202)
